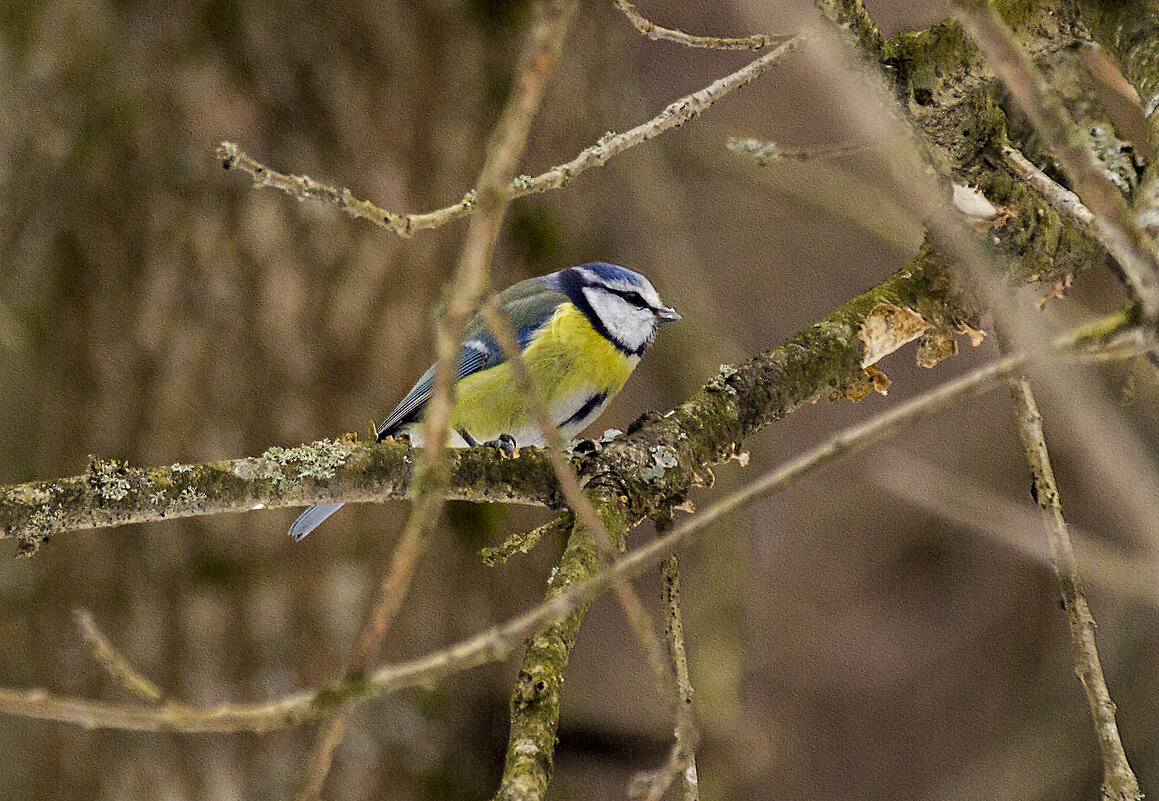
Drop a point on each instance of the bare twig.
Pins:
(686, 735)
(114, 663)
(496, 643)
(1064, 201)
(653, 32)
(609, 146)
(1119, 231)
(553, 18)
(1119, 782)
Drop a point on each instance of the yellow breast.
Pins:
(566, 360)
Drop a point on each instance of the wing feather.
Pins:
(530, 304)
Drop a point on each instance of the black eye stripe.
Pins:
(635, 298)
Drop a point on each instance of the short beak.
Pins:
(667, 315)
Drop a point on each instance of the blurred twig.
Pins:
(532, 746)
(497, 643)
(1119, 782)
(609, 146)
(114, 662)
(653, 32)
(544, 43)
(1120, 231)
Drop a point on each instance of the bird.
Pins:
(581, 332)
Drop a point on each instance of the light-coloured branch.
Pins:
(1061, 199)
(1119, 782)
(114, 663)
(653, 32)
(609, 146)
(496, 643)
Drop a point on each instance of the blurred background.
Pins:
(157, 309)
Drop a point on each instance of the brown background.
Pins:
(155, 308)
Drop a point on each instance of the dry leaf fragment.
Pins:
(976, 335)
(880, 380)
(1058, 289)
(887, 328)
(687, 506)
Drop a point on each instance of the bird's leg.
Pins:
(467, 437)
(505, 444)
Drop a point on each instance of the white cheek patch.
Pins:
(628, 324)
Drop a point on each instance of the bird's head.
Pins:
(621, 304)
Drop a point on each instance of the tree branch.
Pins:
(1119, 782)
(610, 145)
(1116, 223)
(583, 585)
(653, 32)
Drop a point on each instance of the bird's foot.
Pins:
(505, 444)
(643, 419)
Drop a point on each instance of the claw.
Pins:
(505, 444)
(643, 419)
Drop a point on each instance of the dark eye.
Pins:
(635, 299)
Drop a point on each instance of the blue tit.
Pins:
(581, 332)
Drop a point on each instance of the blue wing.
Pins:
(474, 356)
(530, 305)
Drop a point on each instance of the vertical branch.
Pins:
(686, 735)
(553, 17)
(535, 704)
(1119, 782)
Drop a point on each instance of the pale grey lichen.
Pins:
(318, 460)
(191, 497)
(662, 460)
(523, 182)
(181, 468)
(719, 382)
(765, 153)
(110, 480)
(157, 498)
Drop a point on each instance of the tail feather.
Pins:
(309, 519)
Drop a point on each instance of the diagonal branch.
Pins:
(1119, 782)
(1118, 228)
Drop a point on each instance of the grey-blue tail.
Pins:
(309, 519)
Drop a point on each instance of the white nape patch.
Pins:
(631, 326)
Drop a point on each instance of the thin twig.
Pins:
(496, 643)
(524, 541)
(533, 726)
(638, 618)
(1120, 232)
(553, 18)
(653, 32)
(114, 663)
(1061, 199)
(686, 734)
(1119, 782)
(608, 146)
